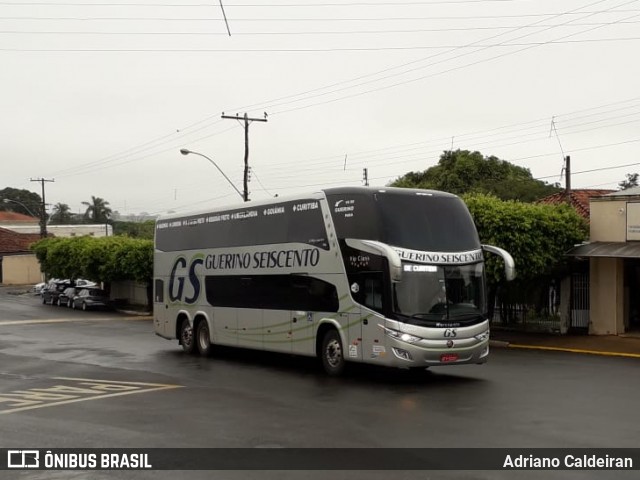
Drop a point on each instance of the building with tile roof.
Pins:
(578, 199)
(614, 262)
(18, 264)
(7, 217)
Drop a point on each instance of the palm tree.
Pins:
(61, 214)
(97, 210)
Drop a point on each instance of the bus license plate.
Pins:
(448, 357)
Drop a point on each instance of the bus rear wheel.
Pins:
(187, 339)
(332, 354)
(203, 338)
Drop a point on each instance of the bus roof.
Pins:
(308, 195)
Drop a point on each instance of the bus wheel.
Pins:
(203, 338)
(186, 337)
(332, 355)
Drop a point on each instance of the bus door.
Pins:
(160, 308)
(367, 289)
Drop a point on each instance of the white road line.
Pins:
(70, 320)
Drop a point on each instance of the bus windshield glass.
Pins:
(430, 295)
(427, 223)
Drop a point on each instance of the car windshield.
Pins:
(432, 295)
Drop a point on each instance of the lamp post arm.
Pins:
(7, 200)
(220, 170)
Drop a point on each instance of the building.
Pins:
(614, 263)
(79, 230)
(18, 265)
(578, 199)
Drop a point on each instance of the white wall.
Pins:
(94, 230)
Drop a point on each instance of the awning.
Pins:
(606, 249)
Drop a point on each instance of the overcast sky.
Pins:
(101, 95)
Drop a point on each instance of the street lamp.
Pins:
(184, 151)
(43, 225)
(7, 200)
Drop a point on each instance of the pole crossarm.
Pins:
(247, 121)
(43, 217)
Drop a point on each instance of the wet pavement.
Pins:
(627, 345)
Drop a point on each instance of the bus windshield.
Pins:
(430, 295)
(427, 223)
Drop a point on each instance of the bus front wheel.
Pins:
(203, 338)
(186, 337)
(332, 354)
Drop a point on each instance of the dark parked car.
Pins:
(66, 297)
(52, 291)
(89, 298)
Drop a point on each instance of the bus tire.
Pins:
(203, 338)
(187, 339)
(332, 354)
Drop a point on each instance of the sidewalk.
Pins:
(627, 345)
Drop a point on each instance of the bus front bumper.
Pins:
(436, 353)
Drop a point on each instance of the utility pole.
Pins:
(247, 122)
(43, 212)
(365, 176)
(567, 176)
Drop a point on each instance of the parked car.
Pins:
(90, 298)
(82, 283)
(51, 292)
(66, 297)
(38, 287)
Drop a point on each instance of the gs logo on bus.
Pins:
(179, 275)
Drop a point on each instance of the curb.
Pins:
(574, 350)
(134, 312)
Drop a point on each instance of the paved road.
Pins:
(118, 385)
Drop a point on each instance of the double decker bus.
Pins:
(385, 276)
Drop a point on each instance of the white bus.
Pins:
(384, 276)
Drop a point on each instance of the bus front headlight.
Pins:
(405, 337)
(482, 336)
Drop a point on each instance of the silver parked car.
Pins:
(66, 297)
(90, 298)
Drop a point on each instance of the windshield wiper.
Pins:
(438, 316)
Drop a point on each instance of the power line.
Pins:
(291, 19)
(309, 50)
(296, 33)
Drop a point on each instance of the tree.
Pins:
(536, 235)
(462, 171)
(61, 214)
(631, 181)
(135, 229)
(97, 210)
(32, 201)
(104, 259)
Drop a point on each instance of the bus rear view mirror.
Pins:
(509, 264)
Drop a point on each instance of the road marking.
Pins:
(72, 390)
(575, 350)
(70, 320)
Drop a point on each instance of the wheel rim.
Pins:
(333, 353)
(187, 335)
(203, 337)
(84, 306)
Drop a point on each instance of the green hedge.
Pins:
(104, 259)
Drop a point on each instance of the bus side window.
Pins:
(369, 291)
(159, 290)
(373, 292)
